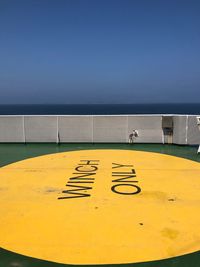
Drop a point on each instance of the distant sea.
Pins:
(99, 109)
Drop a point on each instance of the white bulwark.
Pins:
(176, 129)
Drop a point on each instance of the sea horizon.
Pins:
(100, 109)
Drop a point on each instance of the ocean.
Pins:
(99, 109)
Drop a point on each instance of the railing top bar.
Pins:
(102, 115)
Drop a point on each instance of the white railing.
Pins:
(95, 128)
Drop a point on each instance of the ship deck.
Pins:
(99, 204)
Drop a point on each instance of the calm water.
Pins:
(99, 109)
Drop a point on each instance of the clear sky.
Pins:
(99, 51)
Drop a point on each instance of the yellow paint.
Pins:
(159, 222)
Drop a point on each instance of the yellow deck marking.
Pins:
(145, 211)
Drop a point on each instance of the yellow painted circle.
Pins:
(101, 207)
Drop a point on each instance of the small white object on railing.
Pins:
(133, 135)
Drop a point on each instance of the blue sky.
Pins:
(99, 51)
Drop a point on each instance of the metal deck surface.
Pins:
(99, 204)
